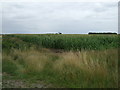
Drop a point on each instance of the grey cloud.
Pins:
(62, 17)
(0, 17)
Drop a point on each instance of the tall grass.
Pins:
(74, 67)
(70, 69)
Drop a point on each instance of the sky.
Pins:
(0, 18)
(64, 17)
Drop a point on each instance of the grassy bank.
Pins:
(61, 68)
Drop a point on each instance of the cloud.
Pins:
(59, 0)
(64, 17)
(0, 18)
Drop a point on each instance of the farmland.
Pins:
(67, 42)
(66, 60)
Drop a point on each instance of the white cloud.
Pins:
(0, 17)
(59, 0)
(59, 17)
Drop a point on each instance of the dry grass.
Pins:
(80, 61)
(36, 60)
(33, 60)
(70, 66)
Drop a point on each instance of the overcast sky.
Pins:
(65, 17)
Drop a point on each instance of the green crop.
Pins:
(70, 41)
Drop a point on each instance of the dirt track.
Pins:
(22, 84)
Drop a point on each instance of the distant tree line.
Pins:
(59, 33)
(101, 33)
(54, 33)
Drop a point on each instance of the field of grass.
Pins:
(70, 61)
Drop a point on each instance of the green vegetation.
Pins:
(73, 61)
(65, 42)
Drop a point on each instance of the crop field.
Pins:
(67, 42)
(61, 60)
